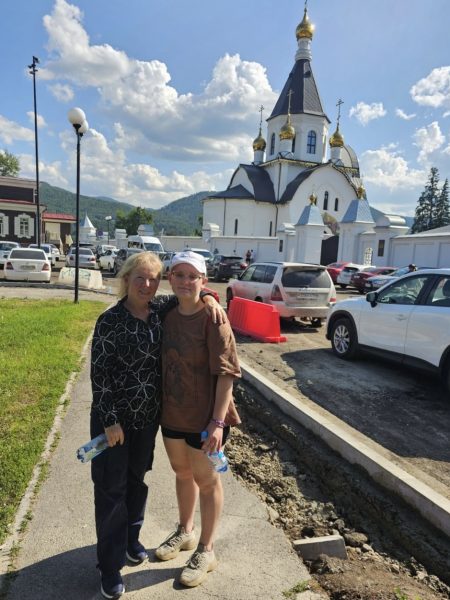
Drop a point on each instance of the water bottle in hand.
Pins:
(218, 458)
(92, 448)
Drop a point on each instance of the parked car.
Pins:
(55, 251)
(106, 260)
(5, 249)
(407, 320)
(358, 279)
(377, 281)
(335, 268)
(299, 290)
(86, 258)
(223, 266)
(166, 260)
(47, 248)
(344, 277)
(122, 256)
(205, 253)
(101, 249)
(28, 264)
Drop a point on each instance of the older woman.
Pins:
(126, 388)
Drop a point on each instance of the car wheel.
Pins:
(316, 322)
(229, 298)
(343, 286)
(344, 339)
(216, 276)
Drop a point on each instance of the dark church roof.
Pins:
(305, 97)
(238, 191)
(261, 182)
(292, 187)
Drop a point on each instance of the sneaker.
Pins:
(136, 553)
(112, 585)
(197, 568)
(178, 540)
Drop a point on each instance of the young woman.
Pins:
(199, 366)
(126, 389)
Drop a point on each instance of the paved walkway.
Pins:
(57, 556)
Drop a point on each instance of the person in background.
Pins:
(199, 365)
(126, 390)
(248, 256)
(412, 268)
(252, 255)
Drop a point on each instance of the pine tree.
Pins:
(425, 217)
(442, 213)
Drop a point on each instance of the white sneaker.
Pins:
(177, 540)
(199, 565)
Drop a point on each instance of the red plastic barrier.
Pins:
(258, 320)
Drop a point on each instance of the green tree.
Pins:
(9, 164)
(425, 216)
(131, 221)
(442, 216)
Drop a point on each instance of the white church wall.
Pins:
(213, 211)
(264, 248)
(241, 178)
(303, 124)
(240, 218)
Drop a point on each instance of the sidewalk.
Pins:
(57, 556)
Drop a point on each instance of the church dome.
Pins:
(305, 29)
(337, 139)
(259, 143)
(287, 132)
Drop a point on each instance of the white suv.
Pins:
(407, 320)
(299, 290)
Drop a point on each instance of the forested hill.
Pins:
(180, 217)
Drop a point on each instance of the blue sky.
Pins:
(171, 89)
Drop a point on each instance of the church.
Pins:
(304, 186)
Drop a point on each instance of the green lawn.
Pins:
(40, 344)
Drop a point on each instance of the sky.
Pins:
(171, 90)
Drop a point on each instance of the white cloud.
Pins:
(11, 132)
(385, 168)
(138, 96)
(402, 115)
(40, 119)
(428, 140)
(63, 93)
(49, 172)
(433, 90)
(365, 113)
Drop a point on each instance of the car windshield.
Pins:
(153, 247)
(301, 277)
(230, 259)
(7, 245)
(28, 253)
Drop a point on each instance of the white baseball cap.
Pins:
(189, 258)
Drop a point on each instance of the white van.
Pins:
(145, 242)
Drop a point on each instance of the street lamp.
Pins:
(78, 119)
(108, 219)
(38, 215)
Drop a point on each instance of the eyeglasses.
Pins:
(191, 278)
(143, 280)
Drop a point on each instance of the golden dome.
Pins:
(287, 132)
(259, 143)
(337, 139)
(313, 199)
(305, 29)
(361, 192)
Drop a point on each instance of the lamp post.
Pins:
(108, 219)
(38, 208)
(78, 119)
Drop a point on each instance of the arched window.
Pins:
(272, 144)
(311, 145)
(235, 226)
(336, 204)
(325, 201)
(293, 143)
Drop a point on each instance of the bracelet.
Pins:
(218, 422)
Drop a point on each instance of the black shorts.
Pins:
(193, 440)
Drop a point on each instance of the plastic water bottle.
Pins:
(218, 458)
(92, 448)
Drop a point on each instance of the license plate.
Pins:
(28, 267)
(306, 295)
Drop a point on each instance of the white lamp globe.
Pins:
(84, 127)
(76, 116)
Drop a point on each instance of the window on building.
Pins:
(311, 143)
(325, 201)
(336, 204)
(270, 229)
(280, 246)
(380, 248)
(2, 226)
(272, 144)
(293, 143)
(24, 227)
(235, 226)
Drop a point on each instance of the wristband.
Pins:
(218, 422)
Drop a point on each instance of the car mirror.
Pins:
(372, 298)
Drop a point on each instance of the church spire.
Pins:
(304, 34)
(259, 143)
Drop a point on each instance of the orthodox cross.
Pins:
(338, 104)
(261, 108)
(289, 101)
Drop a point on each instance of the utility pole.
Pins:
(38, 206)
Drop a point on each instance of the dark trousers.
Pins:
(120, 492)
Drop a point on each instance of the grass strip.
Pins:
(40, 345)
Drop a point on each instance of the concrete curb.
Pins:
(356, 449)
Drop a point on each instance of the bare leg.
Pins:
(186, 488)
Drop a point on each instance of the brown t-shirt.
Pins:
(194, 352)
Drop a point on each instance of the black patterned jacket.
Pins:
(126, 365)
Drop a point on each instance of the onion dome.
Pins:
(287, 132)
(337, 139)
(259, 143)
(361, 192)
(305, 29)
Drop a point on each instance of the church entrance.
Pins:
(329, 251)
